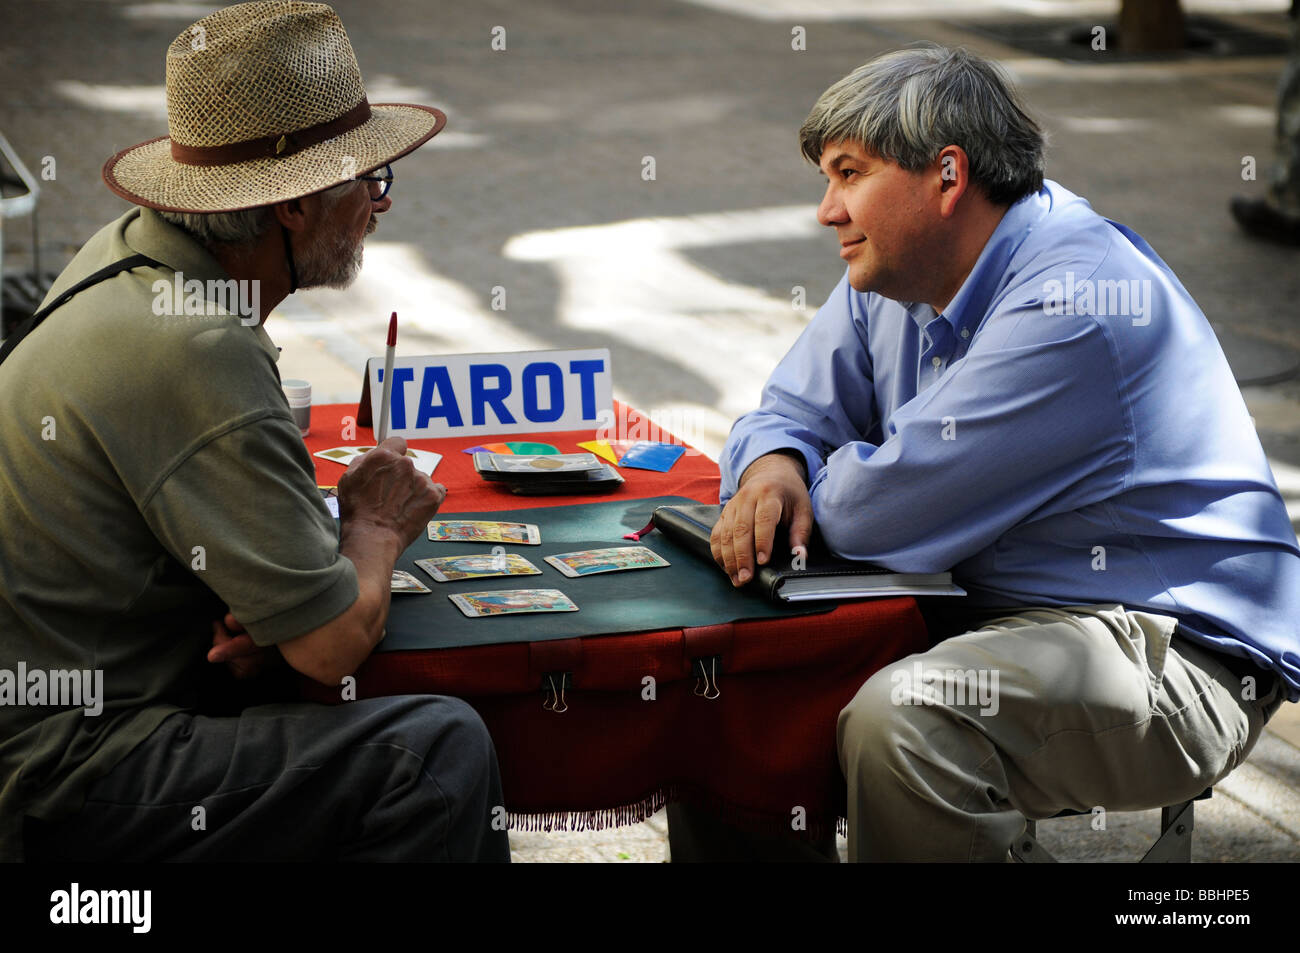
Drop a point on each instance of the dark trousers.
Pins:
(406, 778)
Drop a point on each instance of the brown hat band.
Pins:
(271, 147)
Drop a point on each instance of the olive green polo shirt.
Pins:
(152, 476)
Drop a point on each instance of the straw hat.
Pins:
(264, 103)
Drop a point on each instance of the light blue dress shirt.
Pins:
(1066, 432)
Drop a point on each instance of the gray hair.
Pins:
(224, 228)
(244, 227)
(905, 106)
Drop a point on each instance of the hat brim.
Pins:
(146, 174)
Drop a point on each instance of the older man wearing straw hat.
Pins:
(160, 508)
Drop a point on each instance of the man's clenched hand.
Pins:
(771, 493)
(232, 644)
(384, 489)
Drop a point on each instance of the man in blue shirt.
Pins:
(1007, 385)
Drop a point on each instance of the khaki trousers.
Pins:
(947, 752)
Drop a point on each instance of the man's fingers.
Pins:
(742, 547)
(801, 523)
(722, 531)
(228, 648)
(223, 650)
(383, 457)
(219, 638)
(219, 643)
(715, 543)
(242, 644)
(767, 516)
(438, 493)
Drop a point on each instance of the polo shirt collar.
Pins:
(152, 235)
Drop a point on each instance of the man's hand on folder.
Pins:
(772, 492)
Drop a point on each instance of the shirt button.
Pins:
(965, 332)
(936, 362)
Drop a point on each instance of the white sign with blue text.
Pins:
(452, 395)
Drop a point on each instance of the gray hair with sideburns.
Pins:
(906, 106)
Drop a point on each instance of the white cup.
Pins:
(298, 393)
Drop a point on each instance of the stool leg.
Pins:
(1174, 846)
(1026, 848)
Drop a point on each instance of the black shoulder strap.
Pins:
(26, 328)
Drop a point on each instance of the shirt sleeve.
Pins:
(243, 513)
(1028, 423)
(819, 397)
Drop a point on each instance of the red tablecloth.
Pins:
(694, 475)
(637, 732)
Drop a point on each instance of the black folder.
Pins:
(821, 576)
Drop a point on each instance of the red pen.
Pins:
(386, 399)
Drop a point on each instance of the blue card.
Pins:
(659, 457)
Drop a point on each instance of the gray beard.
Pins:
(330, 262)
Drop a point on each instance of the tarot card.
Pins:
(426, 461)
(484, 531)
(507, 601)
(330, 494)
(546, 463)
(453, 568)
(604, 480)
(587, 562)
(404, 582)
(343, 455)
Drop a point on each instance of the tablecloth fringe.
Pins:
(591, 820)
(633, 813)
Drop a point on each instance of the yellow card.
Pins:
(602, 449)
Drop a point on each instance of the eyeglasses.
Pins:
(385, 180)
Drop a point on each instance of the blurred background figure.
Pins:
(1277, 216)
